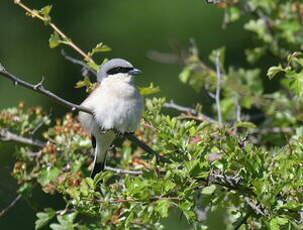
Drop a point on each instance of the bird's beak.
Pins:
(135, 72)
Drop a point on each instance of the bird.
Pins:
(117, 108)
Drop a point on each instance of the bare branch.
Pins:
(218, 89)
(6, 135)
(131, 201)
(175, 106)
(123, 171)
(144, 146)
(78, 62)
(40, 89)
(11, 205)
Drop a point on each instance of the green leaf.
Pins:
(48, 175)
(162, 207)
(85, 83)
(209, 190)
(274, 70)
(295, 82)
(45, 11)
(246, 125)
(44, 218)
(277, 222)
(54, 40)
(100, 47)
(151, 89)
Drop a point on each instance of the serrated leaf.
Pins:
(44, 218)
(48, 175)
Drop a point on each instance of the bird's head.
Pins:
(117, 67)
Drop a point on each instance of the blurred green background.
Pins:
(131, 28)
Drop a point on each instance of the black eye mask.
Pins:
(119, 70)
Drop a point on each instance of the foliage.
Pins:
(250, 166)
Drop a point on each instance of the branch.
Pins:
(218, 88)
(144, 146)
(122, 171)
(11, 205)
(130, 201)
(78, 62)
(6, 135)
(40, 89)
(175, 106)
(66, 40)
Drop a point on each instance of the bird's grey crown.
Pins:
(111, 64)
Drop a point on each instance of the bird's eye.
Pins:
(119, 70)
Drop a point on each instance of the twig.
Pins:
(78, 62)
(175, 106)
(131, 201)
(11, 205)
(40, 89)
(67, 40)
(6, 135)
(144, 146)
(218, 88)
(238, 110)
(255, 207)
(122, 171)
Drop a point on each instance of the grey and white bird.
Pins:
(116, 104)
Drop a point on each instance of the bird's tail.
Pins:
(102, 144)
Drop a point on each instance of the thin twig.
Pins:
(6, 135)
(131, 201)
(255, 207)
(218, 88)
(175, 106)
(123, 171)
(144, 146)
(67, 40)
(78, 62)
(11, 205)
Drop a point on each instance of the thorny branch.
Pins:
(40, 89)
(6, 135)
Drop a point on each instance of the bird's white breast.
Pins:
(116, 103)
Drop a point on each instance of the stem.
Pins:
(218, 89)
(67, 41)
